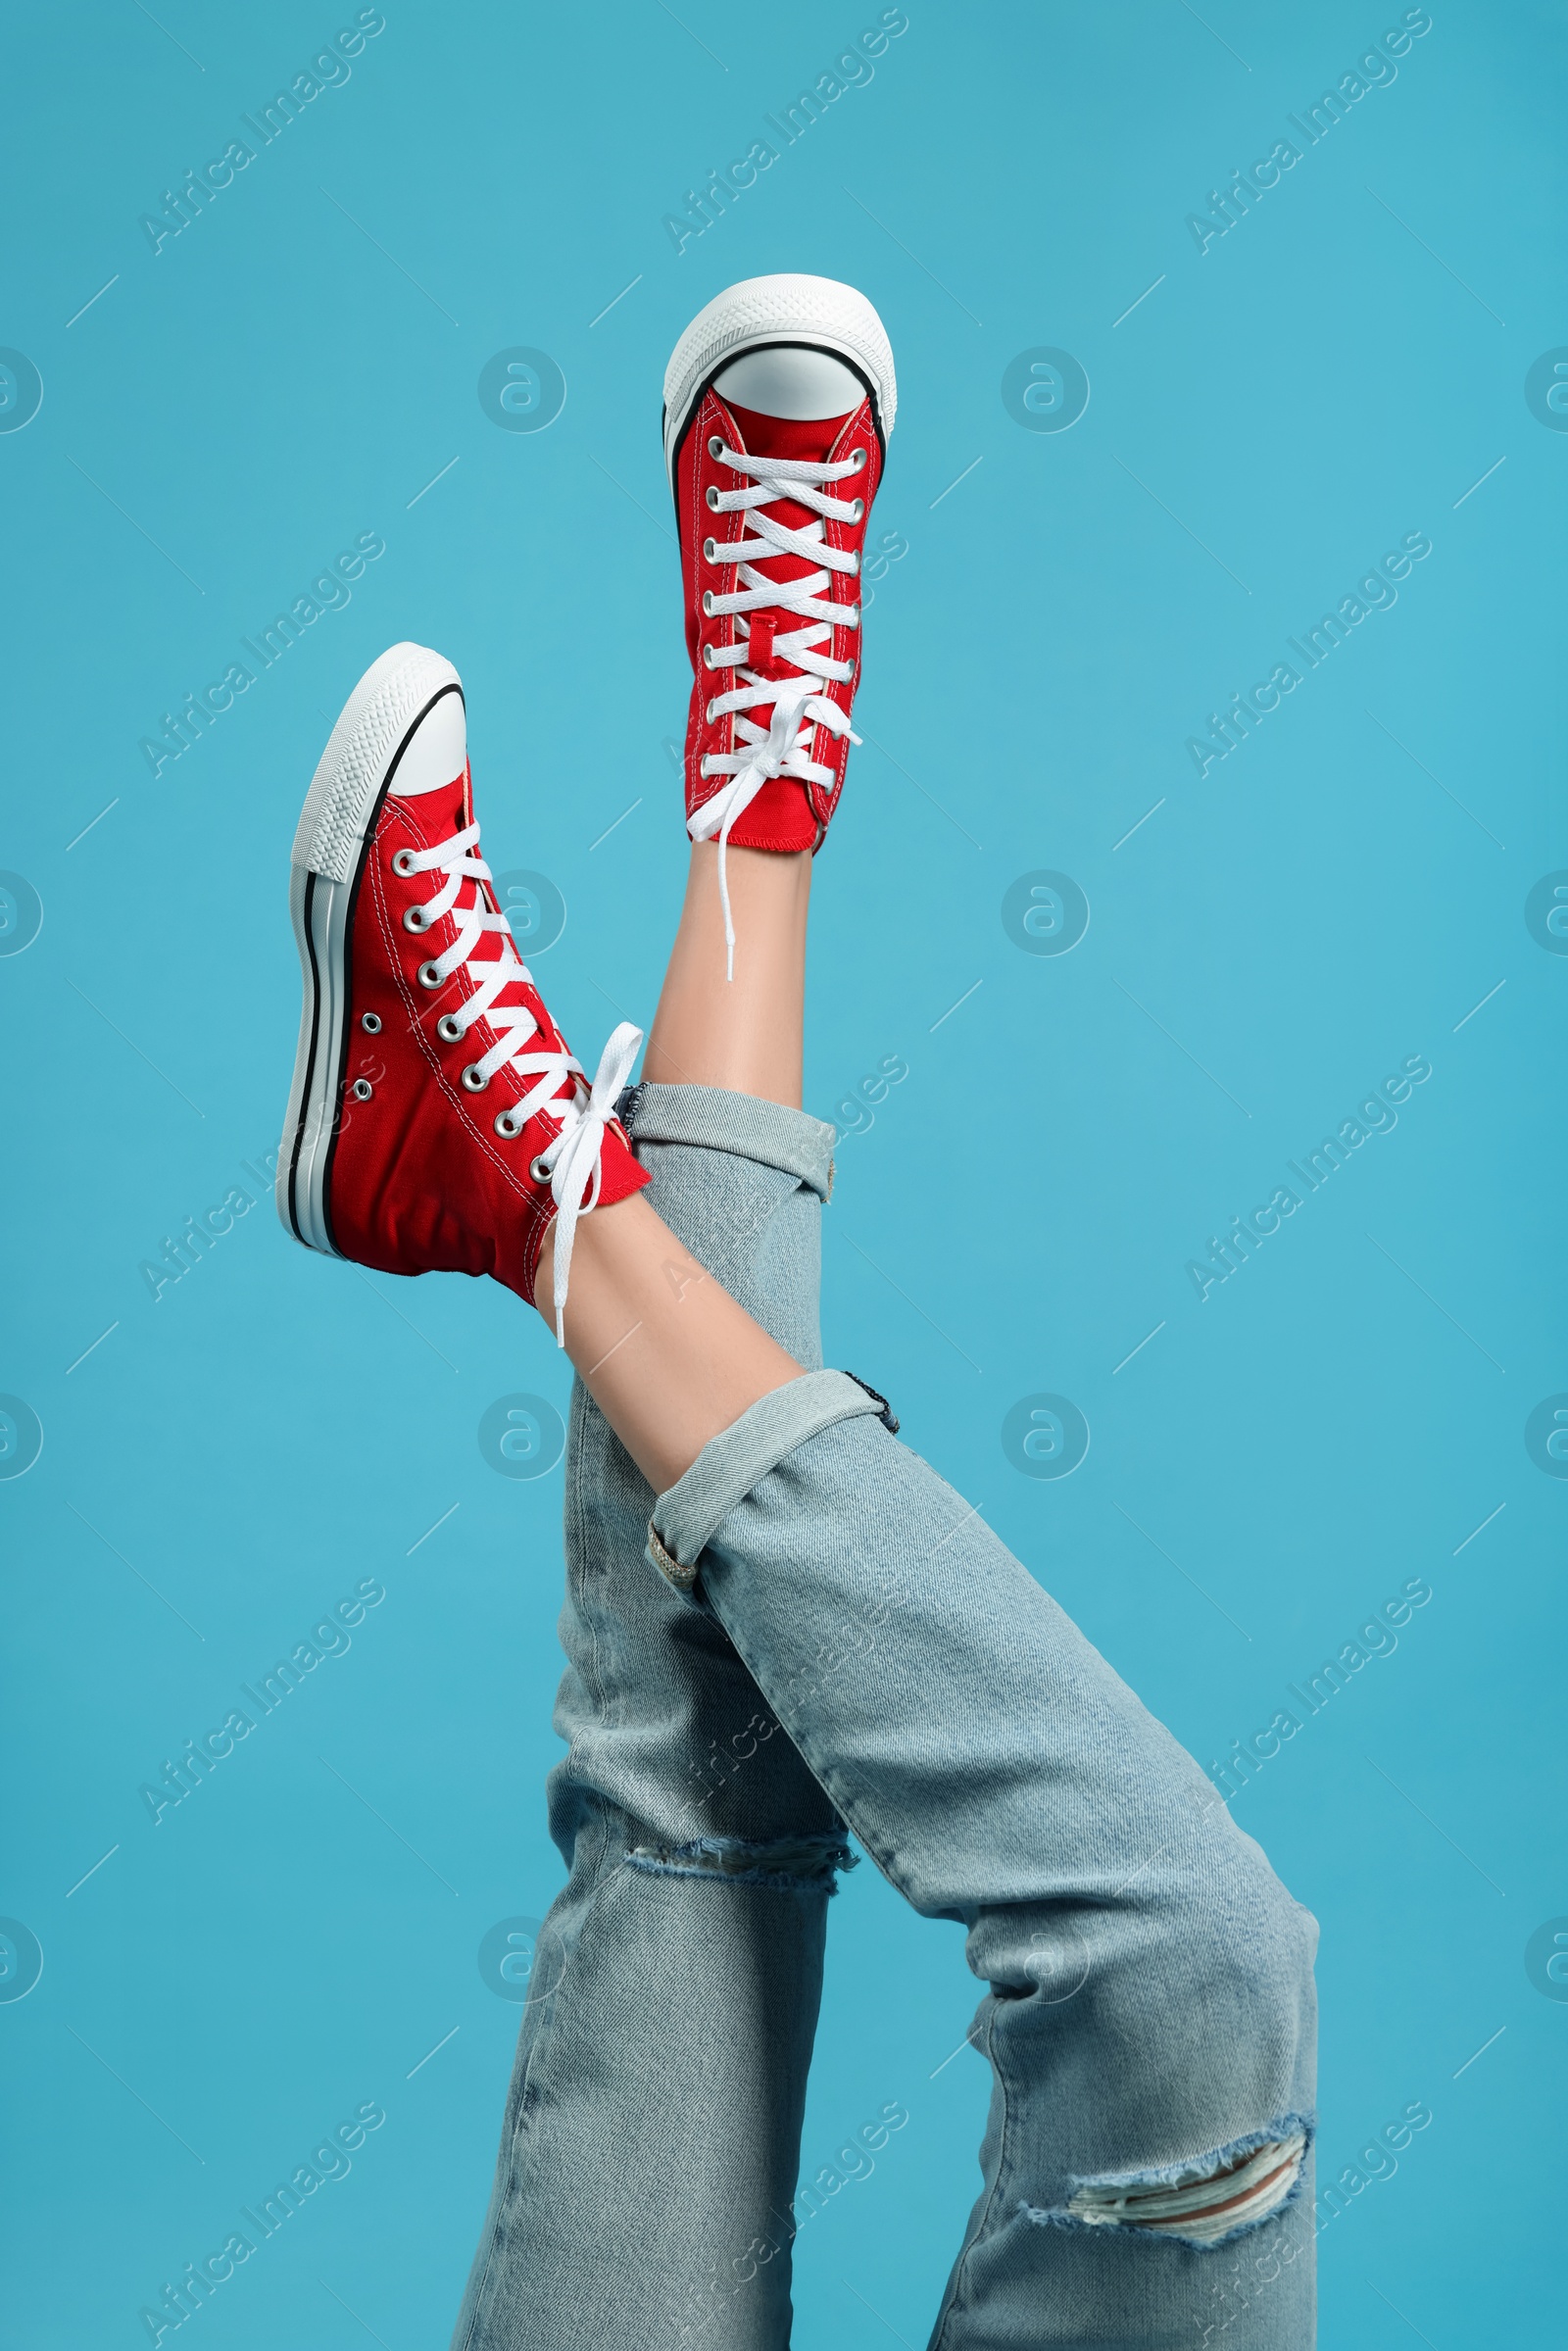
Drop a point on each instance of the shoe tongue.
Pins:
(787, 436)
(804, 438)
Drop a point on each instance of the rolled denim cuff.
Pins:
(731, 1463)
(712, 1119)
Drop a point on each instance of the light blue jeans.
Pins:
(808, 1636)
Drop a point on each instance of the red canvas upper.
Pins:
(420, 1180)
(787, 813)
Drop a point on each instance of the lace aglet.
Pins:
(565, 1235)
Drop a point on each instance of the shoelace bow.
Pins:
(570, 1162)
(781, 747)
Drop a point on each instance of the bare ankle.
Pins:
(742, 1035)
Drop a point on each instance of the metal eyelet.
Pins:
(538, 1172)
(708, 604)
(858, 510)
(429, 976)
(859, 460)
(851, 659)
(708, 715)
(472, 1080)
(403, 862)
(707, 658)
(449, 1030)
(715, 447)
(508, 1125)
(710, 551)
(855, 564)
(371, 1023)
(362, 1090)
(712, 497)
(415, 919)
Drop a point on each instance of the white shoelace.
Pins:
(782, 747)
(571, 1162)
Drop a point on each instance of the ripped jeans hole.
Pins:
(1200, 2211)
(1202, 2202)
(786, 1865)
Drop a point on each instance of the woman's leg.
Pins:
(744, 1036)
(1149, 2021)
(668, 1355)
(1149, 2014)
(656, 2097)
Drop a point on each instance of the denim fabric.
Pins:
(766, 1132)
(836, 1640)
(728, 1469)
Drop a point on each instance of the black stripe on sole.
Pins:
(363, 859)
(309, 1064)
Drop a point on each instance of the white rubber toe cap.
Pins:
(818, 313)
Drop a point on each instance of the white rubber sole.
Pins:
(340, 809)
(785, 309)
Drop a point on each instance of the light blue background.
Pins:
(229, 1985)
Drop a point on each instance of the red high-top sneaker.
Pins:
(780, 392)
(437, 1121)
